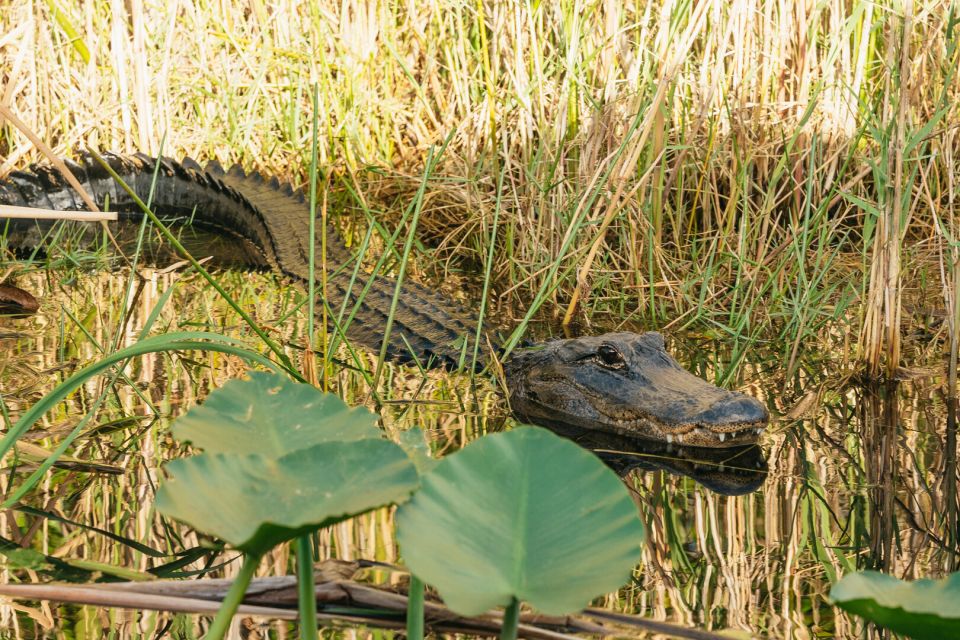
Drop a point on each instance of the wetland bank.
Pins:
(771, 185)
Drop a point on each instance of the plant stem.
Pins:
(511, 619)
(221, 623)
(306, 591)
(415, 609)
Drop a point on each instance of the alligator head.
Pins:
(627, 383)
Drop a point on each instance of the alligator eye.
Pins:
(610, 357)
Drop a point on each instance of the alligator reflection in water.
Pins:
(732, 471)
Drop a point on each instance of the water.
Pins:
(847, 476)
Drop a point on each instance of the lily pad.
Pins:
(272, 415)
(255, 502)
(524, 514)
(920, 609)
(414, 443)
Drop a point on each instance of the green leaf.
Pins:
(414, 443)
(255, 502)
(524, 514)
(919, 609)
(25, 559)
(75, 38)
(272, 415)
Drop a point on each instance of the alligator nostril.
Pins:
(734, 408)
(743, 408)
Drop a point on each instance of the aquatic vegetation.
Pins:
(282, 460)
(273, 416)
(768, 183)
(155, 344)
(922, 609)
(492, 524)
(524, 515)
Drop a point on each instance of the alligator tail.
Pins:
(267, 224)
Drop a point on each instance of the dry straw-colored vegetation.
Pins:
(764, 170)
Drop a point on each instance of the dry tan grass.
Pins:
(707, 163)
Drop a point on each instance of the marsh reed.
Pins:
(747, 168)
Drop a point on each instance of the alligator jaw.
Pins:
(627, 384)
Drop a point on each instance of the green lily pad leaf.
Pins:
(255, 502)
(524, 514)
(920, 609)
(272, 415)
(414, 442)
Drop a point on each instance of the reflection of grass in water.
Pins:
(756, 561)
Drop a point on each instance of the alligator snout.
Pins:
(732, 412)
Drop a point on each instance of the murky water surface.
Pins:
(847, 477)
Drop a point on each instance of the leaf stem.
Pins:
(221, 623)
(511, 620)
(415, 609)
(306, 591)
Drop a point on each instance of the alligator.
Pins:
(622, 383)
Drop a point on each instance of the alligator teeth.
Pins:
(722, 437)
(669, 439)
